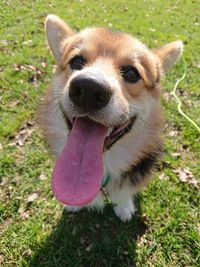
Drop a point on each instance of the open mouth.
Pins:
(118, 132)
(78, 172)
(114, 134)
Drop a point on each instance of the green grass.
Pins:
(165, 230)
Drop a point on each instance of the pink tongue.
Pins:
(78, 172)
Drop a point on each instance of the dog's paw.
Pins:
(125, 212)
(72, 209)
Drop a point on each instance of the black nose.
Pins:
(89, 93)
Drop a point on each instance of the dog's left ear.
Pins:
(169, 54)
(57, 31)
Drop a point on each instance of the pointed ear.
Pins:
(169, 54)
(57, 31)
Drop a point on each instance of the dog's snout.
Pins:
(89, 93)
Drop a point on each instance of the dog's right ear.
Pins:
(57, 31)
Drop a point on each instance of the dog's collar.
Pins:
(106, 180)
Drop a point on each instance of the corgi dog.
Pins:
(101, 115)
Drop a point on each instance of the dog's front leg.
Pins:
(122, 198)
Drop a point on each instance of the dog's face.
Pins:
(109, 77)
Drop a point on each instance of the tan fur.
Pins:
(106, 52)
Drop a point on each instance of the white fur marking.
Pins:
(126, 211)
(72, 209)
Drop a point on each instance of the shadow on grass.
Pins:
(91, 239)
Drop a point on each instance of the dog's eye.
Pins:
(77, 62)
(130, 74)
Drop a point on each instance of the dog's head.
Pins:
(109, 77)
(106, 86)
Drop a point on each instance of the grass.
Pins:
(34, 229)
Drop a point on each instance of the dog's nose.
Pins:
(89, 93)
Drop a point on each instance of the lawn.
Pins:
(34, 229)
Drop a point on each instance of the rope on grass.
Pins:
(179, 103)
